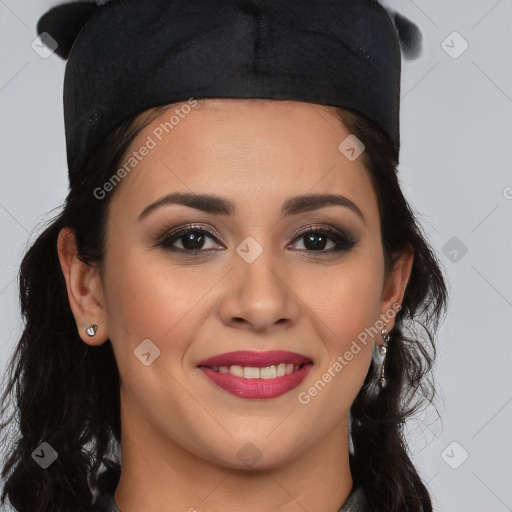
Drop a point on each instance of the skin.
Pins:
(180, 433)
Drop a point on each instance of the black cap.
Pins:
(126, 56)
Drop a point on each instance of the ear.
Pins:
(85, 289)
(395, 283)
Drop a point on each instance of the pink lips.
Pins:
(256, 388)
(252, 358)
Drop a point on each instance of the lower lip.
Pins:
(257, 388)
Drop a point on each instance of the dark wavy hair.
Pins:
(66, 393)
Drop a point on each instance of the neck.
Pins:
(160, 475)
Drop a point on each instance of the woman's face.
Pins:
(260, 280)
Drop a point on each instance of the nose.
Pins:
(260, 296)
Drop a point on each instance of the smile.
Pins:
(253, 372)
(256, 375)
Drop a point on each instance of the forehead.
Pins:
(249, 122)
(243, 148)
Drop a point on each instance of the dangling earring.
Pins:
(382, 349)
(91, 330)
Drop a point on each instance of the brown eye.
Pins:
(192, 240)
(316, 240)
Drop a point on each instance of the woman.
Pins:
(209, 315)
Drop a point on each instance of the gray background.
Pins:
(455, 170)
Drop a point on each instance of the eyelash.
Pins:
(343, 242)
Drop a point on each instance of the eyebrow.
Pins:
(221, 206)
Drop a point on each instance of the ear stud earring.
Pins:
(91, 330)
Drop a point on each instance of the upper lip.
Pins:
(255, 359)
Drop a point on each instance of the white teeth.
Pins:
(269, 372)
(237, 371)
(251, 372)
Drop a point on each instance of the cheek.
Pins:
(346, 301)
(347, 296)
(148, 297)
(156, 301)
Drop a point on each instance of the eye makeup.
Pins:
(192, 237)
